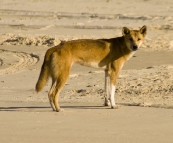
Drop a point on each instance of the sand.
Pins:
(144, 89)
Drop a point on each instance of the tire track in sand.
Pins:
(25, 60)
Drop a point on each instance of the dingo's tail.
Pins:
(45, 71)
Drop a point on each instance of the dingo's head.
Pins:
(134, 38)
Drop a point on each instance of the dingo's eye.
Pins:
(139, 39)
(131, 39)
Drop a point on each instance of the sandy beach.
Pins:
(144, 89)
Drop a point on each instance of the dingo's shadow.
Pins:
(82, 107)
(48, 108)
(22, 108)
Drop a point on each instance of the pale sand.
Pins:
(144, 89)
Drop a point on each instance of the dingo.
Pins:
(109, 54)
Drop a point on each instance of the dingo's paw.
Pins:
(107, 103)
(115, 107)
(60, 110)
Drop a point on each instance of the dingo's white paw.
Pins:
(115, 107)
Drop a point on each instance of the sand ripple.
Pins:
(25, 60)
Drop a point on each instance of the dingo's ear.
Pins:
(125, 31)
(143, 30)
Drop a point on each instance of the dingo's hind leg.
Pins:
(50, 94)
(60, 70)
(60, 74)
(60, 83)
(55, 90)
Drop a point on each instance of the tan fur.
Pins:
(109, 54)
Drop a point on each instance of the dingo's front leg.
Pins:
(107, 89)
(112, 94)
(113, 78)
